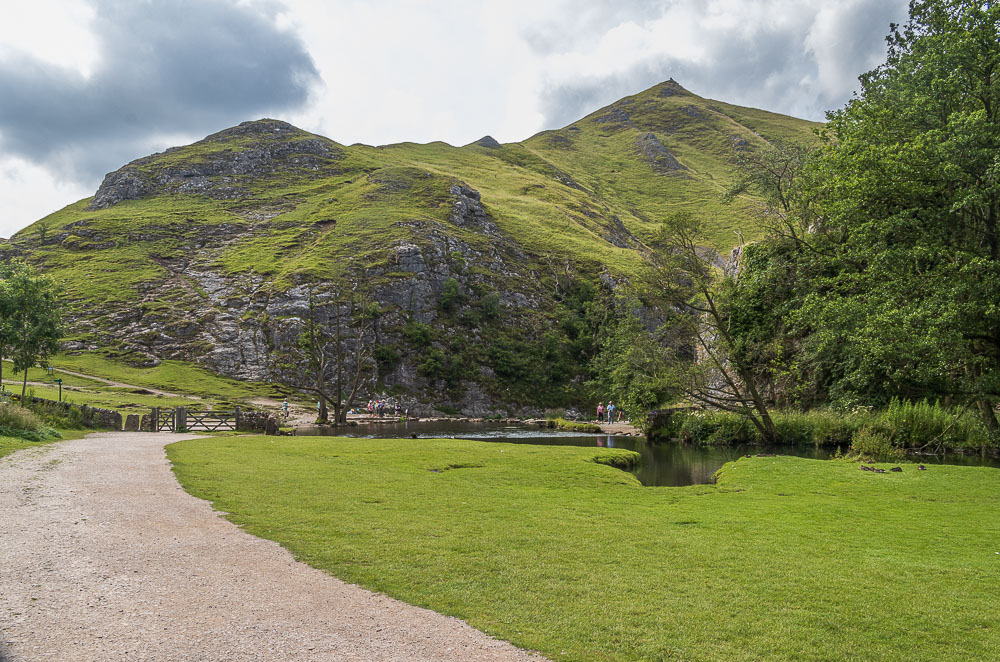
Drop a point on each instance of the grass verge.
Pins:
(9, 445)
(784, 558)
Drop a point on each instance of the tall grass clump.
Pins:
(67, 418)
(19, 422)
(931, 426)
(919, 425)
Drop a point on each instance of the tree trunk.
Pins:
(24, 386)
(988, 414)
(323, 416)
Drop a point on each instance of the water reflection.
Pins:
(661, 464)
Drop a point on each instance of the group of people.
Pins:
(607, 414)
(380, 408)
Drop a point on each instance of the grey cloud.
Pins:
(188, 67)
(772, 68)
(580, 24)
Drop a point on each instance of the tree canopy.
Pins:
(882, 271)
(30, 321)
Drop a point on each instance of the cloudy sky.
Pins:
(88, 85)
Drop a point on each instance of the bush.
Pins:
(13, 416)
(19, 422)
(418, 333)
(54, 415)
(872, 444)
(451, 295)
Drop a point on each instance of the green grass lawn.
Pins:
(784, 558)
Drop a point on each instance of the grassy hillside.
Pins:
(204, 253)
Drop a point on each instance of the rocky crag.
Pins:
(487, 262)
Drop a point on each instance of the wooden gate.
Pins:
(213, 420)
(164, 419)
(182, 420)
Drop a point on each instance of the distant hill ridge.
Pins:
(207, 252)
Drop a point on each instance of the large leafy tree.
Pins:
(893, 288)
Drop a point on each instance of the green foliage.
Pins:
(451, 296)
(873, 445)
(387, 356)
(906, 425)
(66, 418)
(879, 274)
(634, 367)
(21, 423)
(573, 426)
(490, 306)
(30, 318)
(418, 333)
(434, 364)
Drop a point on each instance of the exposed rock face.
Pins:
(123, 184)
(232, 324)
(218, 170)
(657, 155)
(619, 114)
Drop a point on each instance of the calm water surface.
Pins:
(661, 464)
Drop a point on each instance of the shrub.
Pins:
(71, 418)
(387, 356)
(490, 305)
(451, 295)
(19, 422)
(13, 416)
(418, 333)
(872, 444)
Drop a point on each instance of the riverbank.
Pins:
(623, 428)
(546, 548)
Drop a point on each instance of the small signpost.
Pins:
(59, 381)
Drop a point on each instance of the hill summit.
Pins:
(486, 261)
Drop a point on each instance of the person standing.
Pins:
(600, 412)
(611, 413)
(284, 409)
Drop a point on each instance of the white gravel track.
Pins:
(104, 557)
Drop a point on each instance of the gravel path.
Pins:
(104, 557)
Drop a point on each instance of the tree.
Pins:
(333, 356)
(635, 365)
(887, 279)
(31, 324)
(911, 176)
(720, 377)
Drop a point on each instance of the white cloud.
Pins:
(30, 191)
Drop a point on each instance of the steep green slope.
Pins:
(207, 252)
